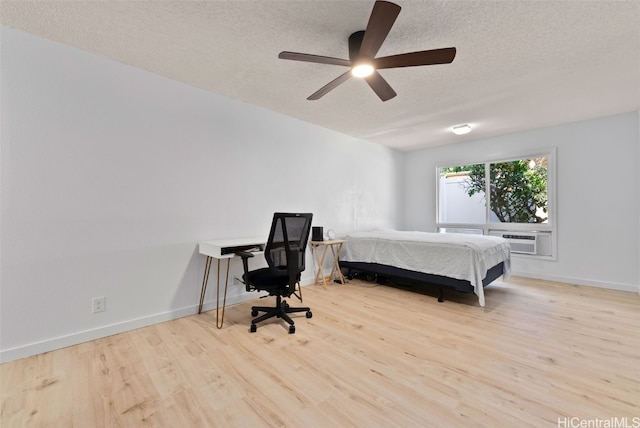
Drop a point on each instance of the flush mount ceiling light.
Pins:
(461, 129)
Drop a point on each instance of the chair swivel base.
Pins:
(281, 310)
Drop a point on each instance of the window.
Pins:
(498, 197)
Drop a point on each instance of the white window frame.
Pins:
(487, 227)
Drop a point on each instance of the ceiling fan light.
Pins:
(362, 70)
(461, 129)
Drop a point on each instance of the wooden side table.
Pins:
(336, 247)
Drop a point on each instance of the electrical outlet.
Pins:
(98, 304)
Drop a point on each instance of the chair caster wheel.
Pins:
(309, 314)
(254, 313)
(254, 328)
(292, 329)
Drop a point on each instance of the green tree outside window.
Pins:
(518, 189)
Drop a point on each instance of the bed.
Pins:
(464, 262)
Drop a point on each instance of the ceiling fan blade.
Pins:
(330, 86)
(382, 17)
(380, 86)
(412, 59)
(296, 56)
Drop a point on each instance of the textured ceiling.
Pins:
(519, 65)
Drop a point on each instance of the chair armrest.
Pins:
(244, 254)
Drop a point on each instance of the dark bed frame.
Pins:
(384, 272)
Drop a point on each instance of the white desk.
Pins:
(223, 249)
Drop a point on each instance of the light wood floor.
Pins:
(371, 356)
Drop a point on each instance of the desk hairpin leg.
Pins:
(224, 301)
(207, 268)
(205, 280)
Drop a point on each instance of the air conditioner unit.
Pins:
(520, 242)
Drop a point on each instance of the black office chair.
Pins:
(285, 255)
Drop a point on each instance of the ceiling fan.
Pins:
(363, 47)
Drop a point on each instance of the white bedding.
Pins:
(460, 256)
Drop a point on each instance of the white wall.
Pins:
(598, 224)
(112, 175)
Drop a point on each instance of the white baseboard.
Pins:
(93, 334)
(633, 288)
(48, 345)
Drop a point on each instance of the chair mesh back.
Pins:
(289, 231)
